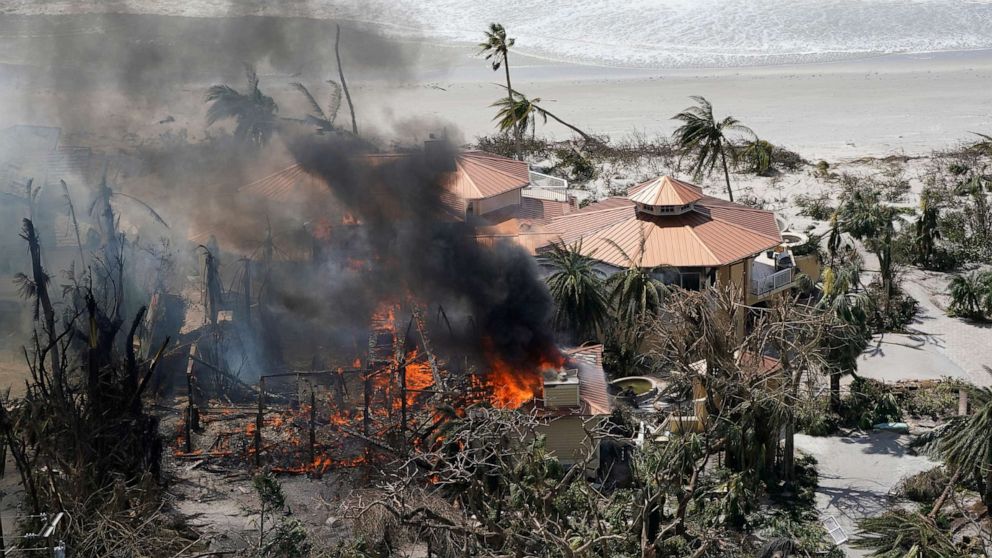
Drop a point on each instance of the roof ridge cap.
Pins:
(466, 176)
(702, 243)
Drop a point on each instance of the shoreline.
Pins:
(876, 106)
(898, 104)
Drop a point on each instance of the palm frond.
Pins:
(314, 105)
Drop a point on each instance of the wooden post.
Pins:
(313, 424)
(366, 418)
(403, 399)
(259, 418)
(962, 402)
(189, 411)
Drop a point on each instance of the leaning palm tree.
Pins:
(515, 116)
(707, 140)
(324, 121)
(253, 111)
(496, 48)
(577, 289)
(523, 113)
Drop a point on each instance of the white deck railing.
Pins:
(772, 282)
(540, 180)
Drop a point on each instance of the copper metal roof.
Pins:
(593, 392)
(666, 191)
(481, 175)
(715, 233)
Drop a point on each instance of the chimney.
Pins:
(439, 154)
(561, 388)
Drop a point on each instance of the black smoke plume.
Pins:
(416, 246)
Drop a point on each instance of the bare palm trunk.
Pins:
(75, 223)
(509, 94)
(41, 292)
(944, 495)
(344, 84)
(584, 135)
(726, 173)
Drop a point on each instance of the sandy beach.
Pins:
(896, 104)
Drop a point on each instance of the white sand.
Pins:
(879, 106)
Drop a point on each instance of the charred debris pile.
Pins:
(394, 322)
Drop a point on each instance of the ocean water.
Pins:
(630, 33)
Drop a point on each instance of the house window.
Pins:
(691, 281)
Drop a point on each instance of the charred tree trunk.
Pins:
(40, 280)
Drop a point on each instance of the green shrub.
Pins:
(751, 200)
(814, 207)
(870, 403)
(786, 159)
(503, 144)
(938, 402)
(924, 487)
(575, 165)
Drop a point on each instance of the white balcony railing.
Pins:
(540, 180)
(772, 282)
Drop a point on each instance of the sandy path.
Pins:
(968, 344)
(858, 473)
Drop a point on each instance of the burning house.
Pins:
(369, 315)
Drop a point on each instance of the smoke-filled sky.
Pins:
(132, 88)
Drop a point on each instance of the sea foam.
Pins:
(637, 33)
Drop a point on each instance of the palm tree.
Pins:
(577, 289)
(706, 139)
(516, 115)
(864, 217)
(344, 83)
(904, 534)
(634, 293)
(976, 186)
(967, 294)
(927, 229)
(496, 48)
(848, 336)
(756, 156)
(967, 446)
(324, 121)
(253, 111)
